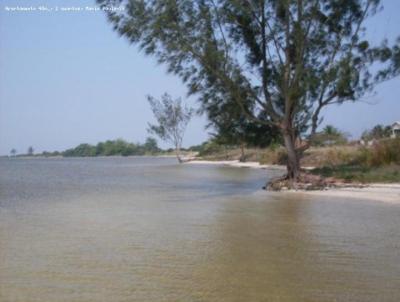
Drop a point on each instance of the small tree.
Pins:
(172, 118)
(13, 152)
(30, 151)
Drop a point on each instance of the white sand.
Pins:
(236, 163)
(389, 193)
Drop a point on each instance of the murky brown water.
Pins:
(149, 230)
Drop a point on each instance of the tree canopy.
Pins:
(279, 61)
(377, 132)
(113, 147)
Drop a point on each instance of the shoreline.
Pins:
(236, 163)
(380, 192)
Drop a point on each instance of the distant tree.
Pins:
(377, 132)
(13, 152)
(151, 146)
(107, 148)
(282, 61)
(30, 151)
(331, 130)
(172, 119)
(82, 150)
(330, 135)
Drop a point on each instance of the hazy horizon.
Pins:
(67, 78)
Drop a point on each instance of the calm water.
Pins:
(137, 229)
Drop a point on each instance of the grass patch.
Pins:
(363, 174)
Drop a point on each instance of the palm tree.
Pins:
(331, 130)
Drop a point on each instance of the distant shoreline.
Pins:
(99, 156)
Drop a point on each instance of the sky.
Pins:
(67, 78)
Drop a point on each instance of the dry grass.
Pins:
(384, 152)
(330, 156)
(377, 163)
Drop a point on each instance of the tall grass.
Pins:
(382, 153)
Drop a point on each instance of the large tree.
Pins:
(281, 61)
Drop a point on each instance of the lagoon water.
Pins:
(147, 229)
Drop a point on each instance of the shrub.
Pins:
(210, 147)
(274, 156)
(382, 153)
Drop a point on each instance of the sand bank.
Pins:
(388, 193)
(236, 163)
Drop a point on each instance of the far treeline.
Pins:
(110, 148)
(118, 147)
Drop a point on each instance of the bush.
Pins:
(209, 148)
(339, 156)
(384, 152)
(274, 156)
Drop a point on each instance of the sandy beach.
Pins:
(236, 163)
(388, 193)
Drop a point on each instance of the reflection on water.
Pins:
(150, 230)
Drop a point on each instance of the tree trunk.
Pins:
(293, 157)
(178, 154)
(242, 157)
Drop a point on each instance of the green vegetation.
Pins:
(382, 153)
(172, 118)
(330, 135)
(278, 63)
(115, 147)
(363, 174)
(377, 163)
(30, 151)
(377, 132)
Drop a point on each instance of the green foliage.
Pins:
(197, 148)
(50, 154)
(233, 128)
(384, 152)
(275, 155)
(82, 150)
(172, 119)
(30, 151)
(13, 152)
(276, 60)
(151, 146)
(281, 62)
(210, 147)
(364, 174)
(115, 147)
(330, 135)
(378, 163)
(377, 132)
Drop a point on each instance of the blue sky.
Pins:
(67, 78)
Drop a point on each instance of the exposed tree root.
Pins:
(307, 181)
